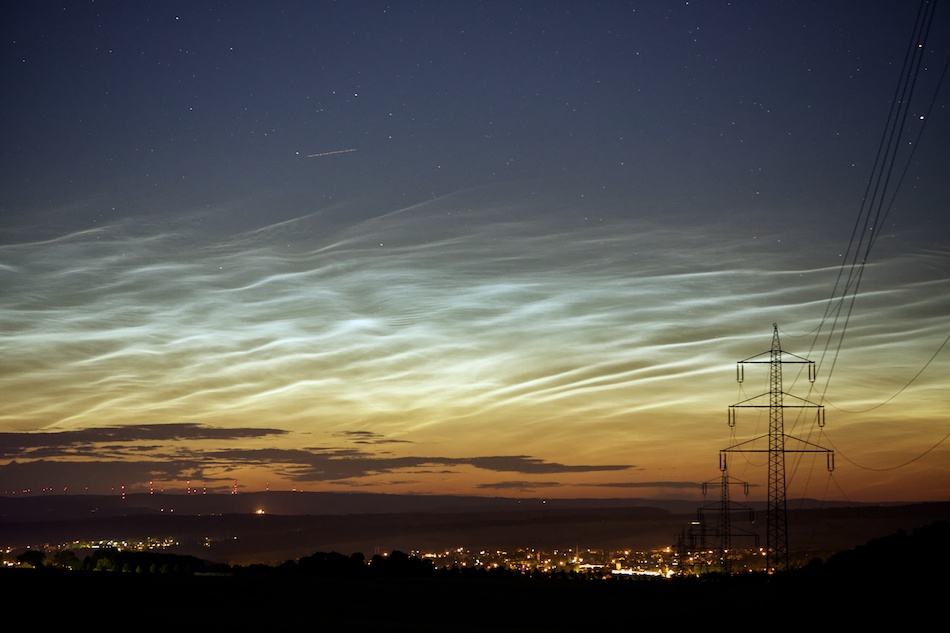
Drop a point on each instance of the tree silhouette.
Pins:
(331, 565)
(32, 557)
(400, 565)
(67, 558)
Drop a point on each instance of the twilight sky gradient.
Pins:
(556, 228)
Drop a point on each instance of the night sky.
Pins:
(489, 248)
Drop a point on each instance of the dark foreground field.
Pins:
(143, 602)
(895, 582)
(887, 573)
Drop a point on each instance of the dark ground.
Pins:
(885, 568)
(155, 602)
(894, 582)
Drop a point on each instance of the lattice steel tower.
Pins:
(777, 519)
(725, 509)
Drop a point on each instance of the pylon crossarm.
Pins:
(749, 359)
(815, 448)
(735, 447)
(741, 402)
(801, 359)
(786, 450)
(738, 507)
(747, 533)
(808, 403)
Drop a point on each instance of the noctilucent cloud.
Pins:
(484, 248)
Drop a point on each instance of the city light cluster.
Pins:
(601, 563)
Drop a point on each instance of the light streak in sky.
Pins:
(336, 151)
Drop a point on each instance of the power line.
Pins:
(899, 391)
(878, 198)
(898, 466)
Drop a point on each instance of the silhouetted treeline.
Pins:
(146, 562)
(397, 564)
(890, 556)
(906, 558)
(336, 565)
(897, 555)
(115, 560)
(892, 553)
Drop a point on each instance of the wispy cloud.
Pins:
(462, 327)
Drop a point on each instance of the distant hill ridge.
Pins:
(65, 506)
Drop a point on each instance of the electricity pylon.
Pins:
(725, 508)
(776, 517)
